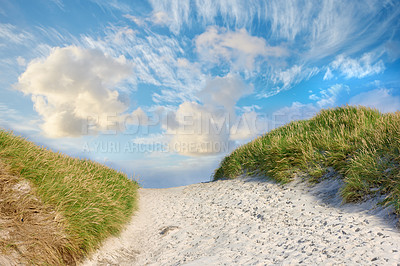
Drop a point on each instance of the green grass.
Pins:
(93, 200)
(361, 144)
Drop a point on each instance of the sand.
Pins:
(253, 222)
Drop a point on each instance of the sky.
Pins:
(164, 89)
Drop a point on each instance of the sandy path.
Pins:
(251, 222)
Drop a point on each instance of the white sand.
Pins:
(253, 222)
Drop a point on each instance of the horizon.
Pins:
(163, 90)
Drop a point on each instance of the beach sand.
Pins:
(253, 222)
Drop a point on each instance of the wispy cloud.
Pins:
(10, 34)
(237, 47)
(328, 97)
(139, 21)
(112, 5)
(367, 65)
(159, 60)
(294, 75)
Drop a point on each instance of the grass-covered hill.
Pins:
(54, 209)
(360, 144)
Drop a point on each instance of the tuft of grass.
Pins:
(93, 200)
(361, 144)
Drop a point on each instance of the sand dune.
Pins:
(253, 222)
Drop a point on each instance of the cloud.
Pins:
(297, 111)
(199, 130)
(14, 120)
(72, 85)
(238, 47)
(328, 97)
(248, 126)
(328, 74)
(224, 92)
(204, 129)
(381, 99)
(158, 61)
(21, 61)
(140, 22)
(11, 34)
(285, 79)
(326, 27)
(365, 66)
(112, 5)
(160, 18)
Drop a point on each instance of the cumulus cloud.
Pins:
(381, 99)
(224, 92)
(199, 130)
(365, 66)
(248, 126)
(203, 129)
(240, 47)
(72, 86)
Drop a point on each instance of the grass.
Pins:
(359, 143)
(92, 200)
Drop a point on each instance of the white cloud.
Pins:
(140, 22)
(160, 18)
(365, 66)
(326, 26)
(199, 130)
(329, 96)
(72, 85)
(381, 99)
(21, 61)
(151, 139)
(328, 74)
(204, 129)
(14, 120)
(224, 92)
(11, 34)
(237, 47)
(59, 4)
(176, 12)
(297, 111)
(248, 126)
(292, 76)
(112, 5)
(158, 61)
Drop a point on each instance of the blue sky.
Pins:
(164, 89)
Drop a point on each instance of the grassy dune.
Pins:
(91, 201)
(361, 144)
